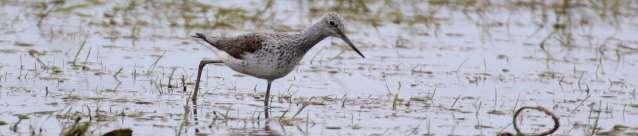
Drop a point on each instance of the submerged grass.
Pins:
(77, 128)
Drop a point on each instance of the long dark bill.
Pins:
(347, 40)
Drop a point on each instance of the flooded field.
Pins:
(432, 67)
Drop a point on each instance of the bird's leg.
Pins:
(267, 100)
(199, 76)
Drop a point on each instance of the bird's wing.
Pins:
(236, 46)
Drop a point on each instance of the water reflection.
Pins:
(266, 112)
(266, 130)
(195, 117)
(251, 126)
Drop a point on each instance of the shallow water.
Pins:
(431, 67)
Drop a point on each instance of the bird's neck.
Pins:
(311, 36)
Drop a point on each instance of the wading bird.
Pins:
(271, 56)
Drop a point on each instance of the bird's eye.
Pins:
(332, 23)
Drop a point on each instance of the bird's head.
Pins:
(333, 24)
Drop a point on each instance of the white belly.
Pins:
(264, 67)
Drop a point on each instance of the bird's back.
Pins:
(238, 46)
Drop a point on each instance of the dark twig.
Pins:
(538, 108)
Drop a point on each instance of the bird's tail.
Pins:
(203, 37)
